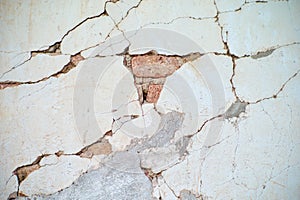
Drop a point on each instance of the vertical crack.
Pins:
(228, 53)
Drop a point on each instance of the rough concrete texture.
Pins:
(149, 99)
(105, 183)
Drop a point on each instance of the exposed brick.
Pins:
(150, 71)
(154, 66)
(153, 93)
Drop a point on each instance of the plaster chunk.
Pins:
(87, 35)
(205, 32)
(284, 62)
(48, 179)
(143, 14)
(28, 36)
(120, 141)
(189, 173)
(37, 68)
(264, 29)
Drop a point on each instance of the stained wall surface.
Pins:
(148, 99)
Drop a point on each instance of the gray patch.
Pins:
(125, 161)
(159, 152)
(169, 124)
(182, 144)
(105, 184)
(159, 159)
(187, 195)
(262, 54)
(235, 109)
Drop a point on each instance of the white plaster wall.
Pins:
(225, 126)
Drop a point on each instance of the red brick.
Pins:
(153, 93)
(154, 66)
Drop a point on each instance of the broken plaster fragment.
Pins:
(48, 179)
(152, 68)
(235, 109)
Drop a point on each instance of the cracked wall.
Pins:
(140, 99)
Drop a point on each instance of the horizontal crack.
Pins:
(100, 147)
(75, 59)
